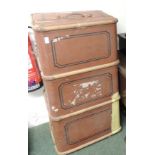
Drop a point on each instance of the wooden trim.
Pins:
(57, 76)
(115, 122)
(75, 25)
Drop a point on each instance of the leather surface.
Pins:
(73, 49)
(74, 93)
(49, 20)
(67, 50)
(75, 131)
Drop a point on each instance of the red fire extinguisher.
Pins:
(34, 77)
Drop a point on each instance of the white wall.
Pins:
(115, 8)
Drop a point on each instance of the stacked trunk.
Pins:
(79, 64)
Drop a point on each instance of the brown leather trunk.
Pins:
(78, 61)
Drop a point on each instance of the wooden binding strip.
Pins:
(56, 76)
(115, 97)
(42, 27)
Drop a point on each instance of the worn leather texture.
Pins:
(72, 49)
(70, 43)
(77, 92)
(75, 131)
(55, 21)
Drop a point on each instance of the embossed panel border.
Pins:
(60, 88)
(67, 125)
(56, 64)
